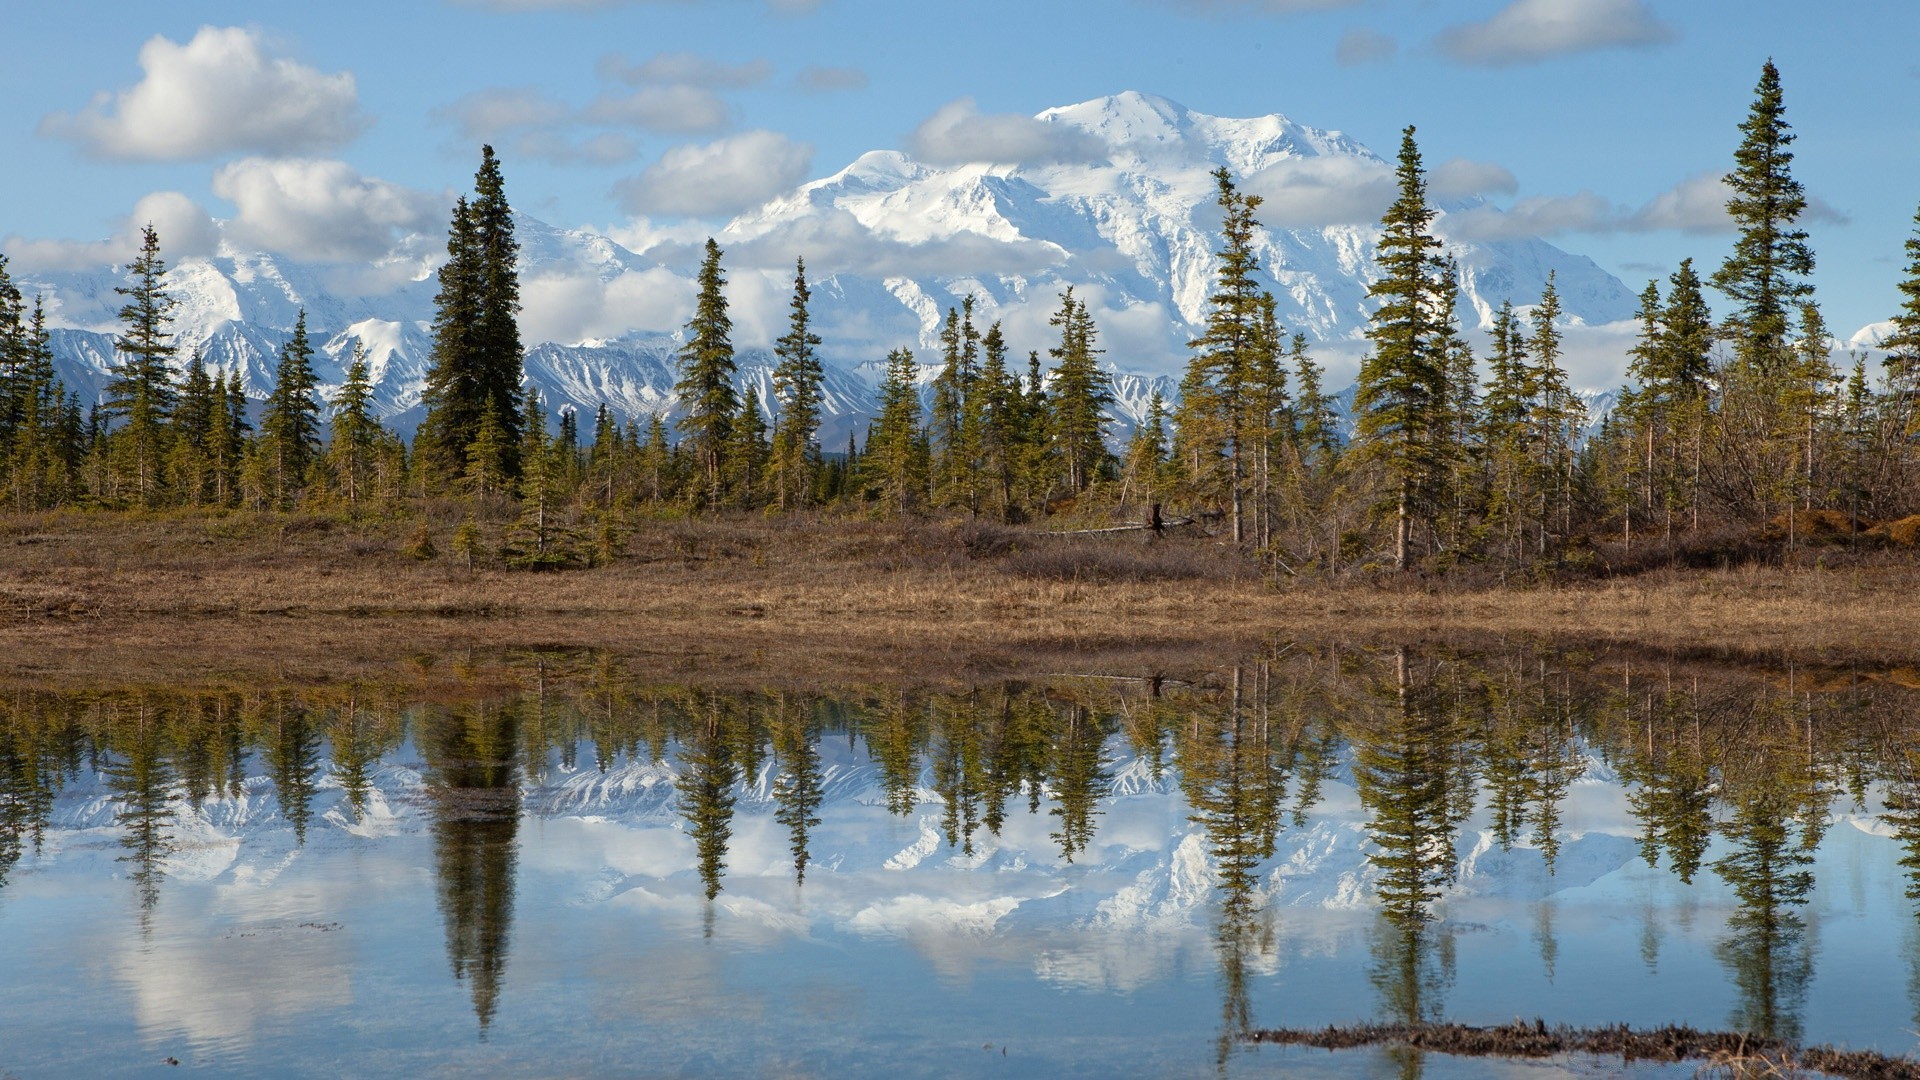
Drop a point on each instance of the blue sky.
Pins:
(328, 129)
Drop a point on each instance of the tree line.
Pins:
(1454, 455)
(1724, 775)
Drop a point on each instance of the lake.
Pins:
(545, 864)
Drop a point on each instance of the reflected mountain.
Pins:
(1398, 783)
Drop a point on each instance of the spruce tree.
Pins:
(141, 391)
(193, 430)
(996, 403)
(705, 389)
(453, 397)
(290, 424)
(356, 431)
(747, 457)
(475, 369)
(1401, 394)
(797, 383)
(892, 466)
(13, 354)
(1556, 417)
(1903, 344)
(1505, 430)
(496, 332)
(1765, 275)
(1082, 393)
(1214, 415)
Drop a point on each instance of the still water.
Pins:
(543, 865)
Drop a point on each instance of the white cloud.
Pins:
(1318, 191)
(219, 93)
(1537, 216)
(184, 227)
(489, 114)
(678, 109)
(606, 148)
(1529, 31)
(824, 80)
(1363, 46)
(958, 134)
(1697, 204)
(574, 306)
(685, 69)
(1459, 178)
(719, 177)
(320, 210)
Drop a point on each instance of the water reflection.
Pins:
(472, 787)
(1450, 757)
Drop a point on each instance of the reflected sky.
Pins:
(565, 871)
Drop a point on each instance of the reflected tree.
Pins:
(796, 790)
(472, 788)
(143, 785)
(293, 760)
(706, 792)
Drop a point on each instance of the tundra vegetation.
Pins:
(1737, 442)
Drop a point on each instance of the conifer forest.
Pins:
(1737, 437)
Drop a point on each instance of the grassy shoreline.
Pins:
(318, 597)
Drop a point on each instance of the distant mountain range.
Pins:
(1125, 215)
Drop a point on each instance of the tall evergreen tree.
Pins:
(356, 431)
(1082, 393)
(797, 383)
(193, 430)
(1213, 415)
(893, 466)
(453, 396)
(1765, 275)
(141, 391)
(475, 369)
(1903, 355)
(1403, 381)
(705, 388)
(290, 424)
(496, 332)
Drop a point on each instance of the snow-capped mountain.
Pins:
(1125, 214)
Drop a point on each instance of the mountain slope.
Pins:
(1127, 219)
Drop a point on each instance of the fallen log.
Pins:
(1665, 1044)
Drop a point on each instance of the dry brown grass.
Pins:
(312, 594)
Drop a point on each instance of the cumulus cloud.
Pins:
(219, 93)
(958, 134)
(1529, 31)
(320, 210)
(1537, 216)
(1697, 204)
(687, 110)
(1459, 178)
(1362, 46)
(724, 176)
(1318, 191)
(826, 80)
(574, 305)
(492, 113)
(684, 69)
(184, 227)
(606, 148)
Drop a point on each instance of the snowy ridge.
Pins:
(891, 243)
